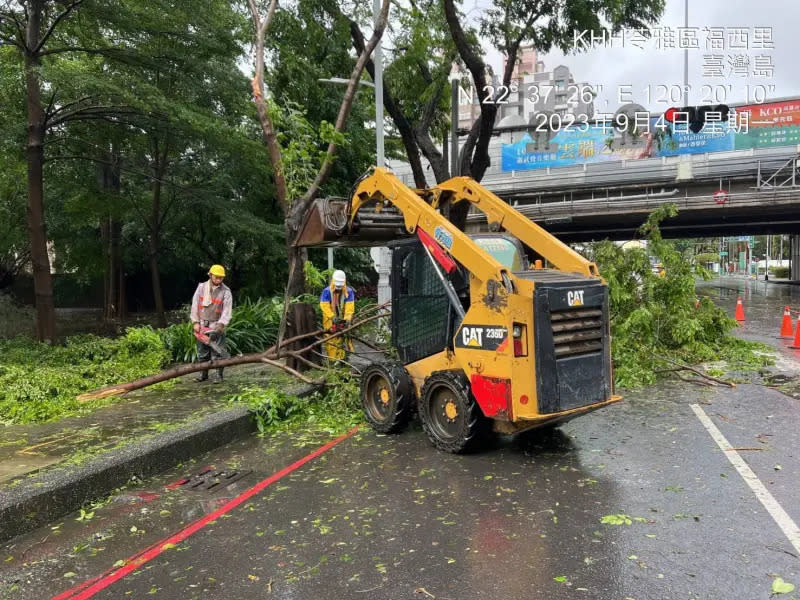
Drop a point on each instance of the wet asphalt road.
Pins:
(390, 517)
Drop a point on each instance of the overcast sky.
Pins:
(613, 68)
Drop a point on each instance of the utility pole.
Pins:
(454, 81)
(766, 264)
(378, 60)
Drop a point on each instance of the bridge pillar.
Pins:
(794, 273)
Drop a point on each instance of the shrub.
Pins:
(654, 317)
(253, 328)
(780, 272)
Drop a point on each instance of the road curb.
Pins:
(58, 491)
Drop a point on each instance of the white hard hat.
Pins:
(338, 278)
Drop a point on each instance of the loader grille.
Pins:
(577, 331)
(572, 337)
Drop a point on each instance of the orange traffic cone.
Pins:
(796, 344)
(786, 324)
(739, 309)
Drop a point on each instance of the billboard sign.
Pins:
(755, 126)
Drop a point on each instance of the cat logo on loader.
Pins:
(575, 298)
(472, 336)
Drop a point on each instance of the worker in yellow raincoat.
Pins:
(338, 303)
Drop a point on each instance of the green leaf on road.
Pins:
(560, 579)
(618, 519)
(779, 586)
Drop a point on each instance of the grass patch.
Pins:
(39, 382)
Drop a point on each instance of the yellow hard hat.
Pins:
(217, 270)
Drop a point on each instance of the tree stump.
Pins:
(301, 319)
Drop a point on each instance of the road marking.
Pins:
(784, 521)
(90, 587)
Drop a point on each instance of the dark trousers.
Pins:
(205, 352)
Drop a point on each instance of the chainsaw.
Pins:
(207, 336)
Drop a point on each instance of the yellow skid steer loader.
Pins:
(482, 338)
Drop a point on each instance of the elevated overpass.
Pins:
(612, 199)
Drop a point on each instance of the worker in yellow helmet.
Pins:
(212, 306)
(338, 303)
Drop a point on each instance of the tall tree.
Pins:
(544, 24)
(42, 31)
(294, 209)
(418, 60)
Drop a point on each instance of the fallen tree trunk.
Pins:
(269, 356)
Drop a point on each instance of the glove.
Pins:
(220, 328)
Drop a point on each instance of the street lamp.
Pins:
(383, 269)
(378, 86)
(343, 81)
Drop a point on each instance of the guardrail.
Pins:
(588, 207)
(696, 168)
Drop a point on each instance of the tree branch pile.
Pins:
(272, 356)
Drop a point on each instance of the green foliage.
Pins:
(254, 325)
(84, 363)
(508, 22)
(316, 279)
(655, 317)
(334, 409)
(180, 342)
(302, 145)
(269, 406)
(706, 257)
(253, 328)
(780, 272)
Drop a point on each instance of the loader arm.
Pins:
(500, 214)
(383, 187)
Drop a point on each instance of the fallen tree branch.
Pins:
(271, 354)
(695, 381)
(290, 370)
(304, 360)
(697, 371)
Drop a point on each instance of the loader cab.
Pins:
(504, 248)
(423, 320)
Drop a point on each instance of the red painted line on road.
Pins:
(175, 485)
(90, 587)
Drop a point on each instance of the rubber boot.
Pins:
(218, 377)
(202, 377)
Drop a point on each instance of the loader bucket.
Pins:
(326, 225)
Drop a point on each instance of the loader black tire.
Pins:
(450, 415)
(387, 396)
